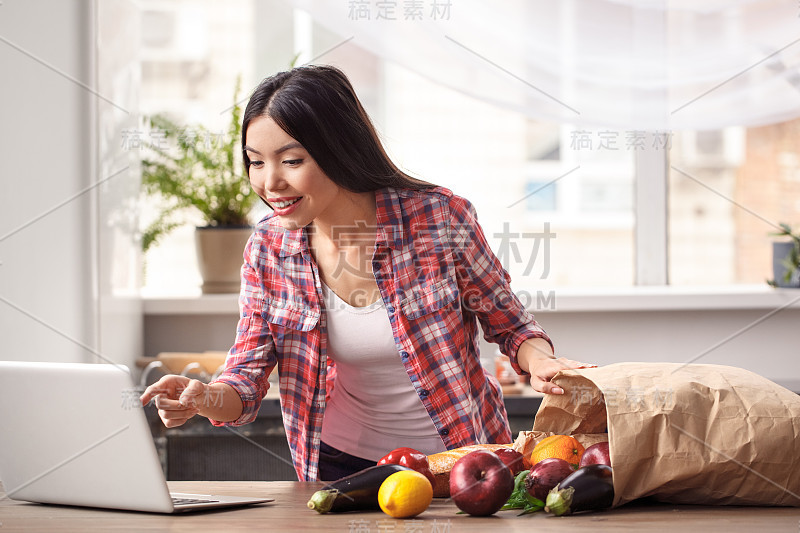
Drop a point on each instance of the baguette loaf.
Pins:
(441, 464)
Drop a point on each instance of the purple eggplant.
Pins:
(587, 489)
(356, 492)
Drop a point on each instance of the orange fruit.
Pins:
(560, 447)
(405, 494)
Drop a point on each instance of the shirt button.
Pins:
(390, 309)
(404, 355)
(423, 392)
(444, 432)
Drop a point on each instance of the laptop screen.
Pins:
(75, 434)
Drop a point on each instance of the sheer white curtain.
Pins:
(624, 64)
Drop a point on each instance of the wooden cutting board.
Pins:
(175, 362)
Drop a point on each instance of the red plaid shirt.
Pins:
(438, 278)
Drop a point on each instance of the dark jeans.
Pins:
(335, 464)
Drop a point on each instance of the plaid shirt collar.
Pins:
(294, 242)
(389, 213)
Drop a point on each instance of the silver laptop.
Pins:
(75, 434)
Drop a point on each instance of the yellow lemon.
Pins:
(405, 494)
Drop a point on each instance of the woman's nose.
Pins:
(273, 181)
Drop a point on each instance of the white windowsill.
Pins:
(669, 298)
(643, 298)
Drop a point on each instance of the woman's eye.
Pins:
(256, 164)
(292, 162)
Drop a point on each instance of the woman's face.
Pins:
(284, 174)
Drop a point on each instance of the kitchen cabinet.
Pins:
(258, 451)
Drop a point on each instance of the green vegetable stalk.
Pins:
(521, 499)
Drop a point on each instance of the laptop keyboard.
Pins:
(188, 501)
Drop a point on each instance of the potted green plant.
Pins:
(194, 168)
(786, 258)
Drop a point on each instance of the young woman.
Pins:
(364, 288)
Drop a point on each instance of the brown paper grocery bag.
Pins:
(698, 434)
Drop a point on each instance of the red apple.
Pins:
(512, 459)
(545, 475)
(596, 454)
(480, 483)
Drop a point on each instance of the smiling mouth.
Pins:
(284, 204)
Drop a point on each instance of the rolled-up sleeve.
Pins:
(252, 357)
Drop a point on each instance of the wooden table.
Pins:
(289, 513)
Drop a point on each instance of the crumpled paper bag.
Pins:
(682, 433)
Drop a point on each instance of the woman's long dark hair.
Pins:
(317, 106)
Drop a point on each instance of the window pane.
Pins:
(557, 212)
(191, 56)
(555, 200)
(728, 190)
(540, 195)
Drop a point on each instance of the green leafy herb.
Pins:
(199, 170)
(520, 499)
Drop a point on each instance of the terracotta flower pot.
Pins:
(219, 257)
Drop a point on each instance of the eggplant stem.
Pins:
(322, 500)
(558, 502)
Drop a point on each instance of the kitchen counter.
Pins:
(289, 513)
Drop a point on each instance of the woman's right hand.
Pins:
(177, 398)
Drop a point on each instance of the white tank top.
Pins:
(373, 407)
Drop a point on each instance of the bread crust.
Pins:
(441, 463)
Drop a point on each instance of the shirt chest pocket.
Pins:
(429, 299)
(292, 314)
